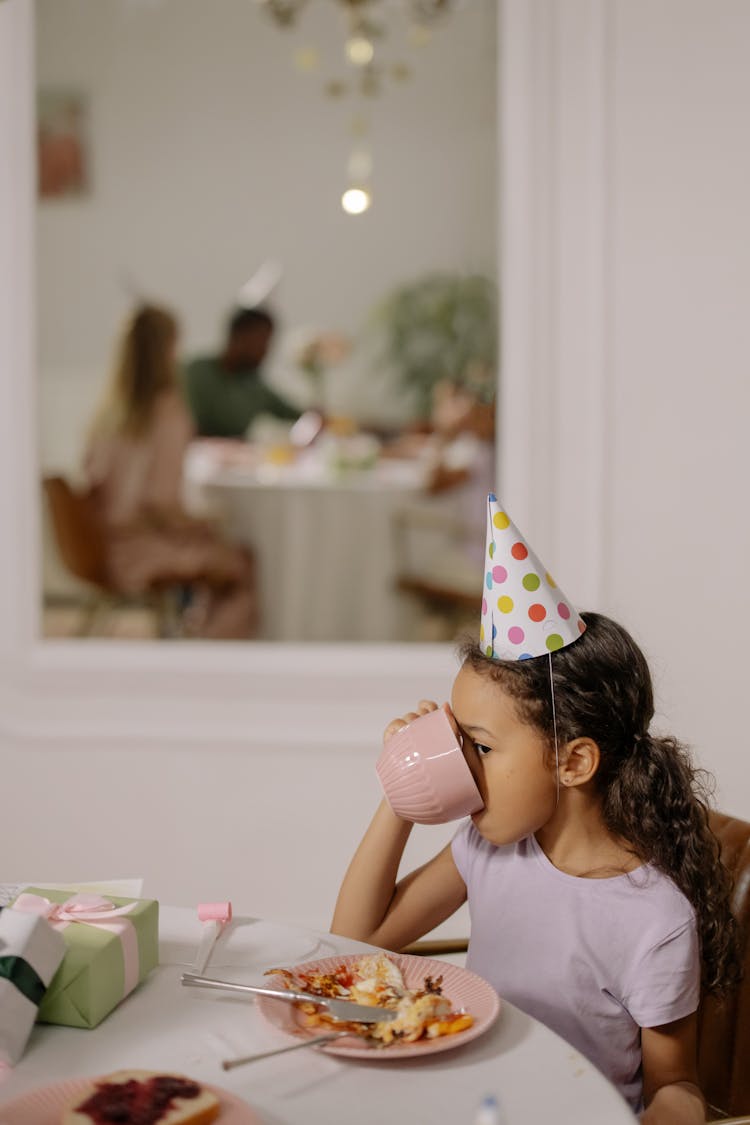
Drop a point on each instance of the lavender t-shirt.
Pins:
(594, 959)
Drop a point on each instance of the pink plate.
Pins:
(44, 1105)
(465, 990)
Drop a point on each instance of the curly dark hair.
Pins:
(653, 797)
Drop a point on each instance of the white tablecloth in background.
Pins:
(538, 1078)
(324, 547)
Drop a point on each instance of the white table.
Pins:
(537, 1077)
(324, 543)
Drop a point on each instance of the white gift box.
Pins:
(30, 955)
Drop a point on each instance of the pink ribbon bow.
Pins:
(91, 910)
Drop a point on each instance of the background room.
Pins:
(215, 178)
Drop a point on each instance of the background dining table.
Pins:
(323, 538)
(536, 1077)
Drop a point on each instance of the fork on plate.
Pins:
(316, 1040)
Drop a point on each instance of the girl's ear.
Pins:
(580, 762)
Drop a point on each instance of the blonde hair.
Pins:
(144, 367)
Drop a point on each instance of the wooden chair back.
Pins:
(77, 531)
(724, 1026)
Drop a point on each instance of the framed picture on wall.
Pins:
(62, 139)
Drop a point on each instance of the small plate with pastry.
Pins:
(148, 1097)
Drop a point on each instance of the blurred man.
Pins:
(226, 392)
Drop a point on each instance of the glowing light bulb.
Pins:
(359, 50)
(355, 201)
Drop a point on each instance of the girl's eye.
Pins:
(481, 749)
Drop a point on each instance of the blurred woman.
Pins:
(133, 463)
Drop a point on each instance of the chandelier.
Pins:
(372, 64)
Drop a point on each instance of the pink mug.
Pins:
(424, 774)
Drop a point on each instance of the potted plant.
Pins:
(441, 327)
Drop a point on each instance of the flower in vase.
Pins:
(319, 353)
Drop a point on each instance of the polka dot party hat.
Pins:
(524, 613)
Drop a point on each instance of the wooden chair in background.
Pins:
(81, 546)
(450, 600)
(724, 1026)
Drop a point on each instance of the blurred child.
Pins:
(133, 463)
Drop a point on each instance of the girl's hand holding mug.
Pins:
(422, 769)
(424, 707)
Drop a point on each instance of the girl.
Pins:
(594, 883)
(133, 462)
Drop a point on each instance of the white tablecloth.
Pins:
(537, 1077)
(324, 545)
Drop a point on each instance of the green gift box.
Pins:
(111, 945)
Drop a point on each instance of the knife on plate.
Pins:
(338, 1009)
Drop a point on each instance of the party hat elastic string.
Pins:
(554, 730)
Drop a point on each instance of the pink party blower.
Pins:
(424, 774)
(214, 916)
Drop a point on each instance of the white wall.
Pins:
(680, 396)
(271, 831)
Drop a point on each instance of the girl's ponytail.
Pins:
(658, 801)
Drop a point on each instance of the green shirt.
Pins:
(224, 403)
